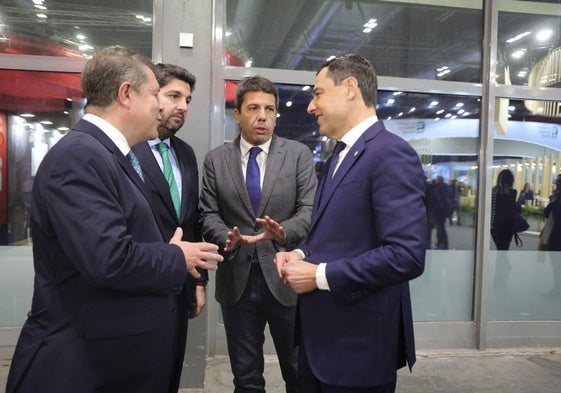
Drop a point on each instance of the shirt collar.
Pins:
(245, 146)
(356, 132)
(153, 143)
(111, 131)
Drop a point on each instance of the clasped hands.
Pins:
(272, 231)
(197, 254)
(295, 272)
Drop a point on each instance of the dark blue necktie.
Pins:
(253, 179)
(335, 159)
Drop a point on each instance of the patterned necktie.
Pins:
(335, 159)
(253, 178)
(135, 164)
(163, 148)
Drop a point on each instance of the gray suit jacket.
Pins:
(286, 196)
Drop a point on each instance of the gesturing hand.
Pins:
(272, 231)
(197, 254)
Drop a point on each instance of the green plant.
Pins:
(535, 212)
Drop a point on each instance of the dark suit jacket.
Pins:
(370, 229)
(102, 317)
(287, 195)
(162, 206)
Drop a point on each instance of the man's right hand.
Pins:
(197, 255)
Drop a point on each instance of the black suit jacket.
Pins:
(162, 206)
(102, 317)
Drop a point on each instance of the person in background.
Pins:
(526, 194)
(503, 209)
(553, 211)
(256, 199)
(438, 209)
(172, 179)
(367, 240)
(455, 193)
(102, 317)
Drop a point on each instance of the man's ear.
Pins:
(124, 94)
(351, 85)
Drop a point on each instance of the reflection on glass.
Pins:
(36, 110)
(529, 44)
(406, 39)
(444, 130)
(74, 28)
(525, 281)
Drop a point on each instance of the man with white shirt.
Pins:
(367, 240)
(103, 316)
(256, 199)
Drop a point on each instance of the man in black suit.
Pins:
(103, 314)
(176, 86)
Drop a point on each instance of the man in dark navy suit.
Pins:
(367, 240)
(104, 309)
(176, 88)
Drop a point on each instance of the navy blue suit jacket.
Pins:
(162, 206)
(103, 310)
(369, 227)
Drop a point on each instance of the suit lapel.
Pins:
(154, 174)
(233, 159)
(326, 188)
(275, 159)
(187, 176)
(94, 131)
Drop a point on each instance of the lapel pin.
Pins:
(356, 154)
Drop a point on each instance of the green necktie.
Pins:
(163, 148)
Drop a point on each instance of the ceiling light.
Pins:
(434, 103)
(80, 36)
(63, 128)
(366, 30)
(461, 111)
(46, 122)
(288, 104)
(518, 37)
(544, 35)
(396, 93)
(440, 111)
(390, 101)
(459, 104)
(331, 58)
(306, 88)
(38, 2)
(412, 110)
(372, 23)
(248, 63)
(26, 115)
(519, 53)
(42, 16)
(40, 7)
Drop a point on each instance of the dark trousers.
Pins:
(310, 384)
(245, 326)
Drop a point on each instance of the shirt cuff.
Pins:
(321, 279)
(300, 252)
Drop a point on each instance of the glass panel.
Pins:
(525, 282)
(403, 39)
(444, 130)
(529, 44)
(73, 28)
(36, 110)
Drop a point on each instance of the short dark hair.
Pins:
(255, 83)
(353, 65)
(104, 73)
(165, 73)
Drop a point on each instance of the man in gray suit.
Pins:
(256, 199)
